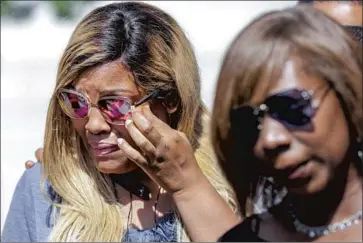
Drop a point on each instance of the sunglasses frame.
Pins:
(156, 94)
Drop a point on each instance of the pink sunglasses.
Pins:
(115, 109)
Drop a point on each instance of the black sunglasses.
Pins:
(294, 108)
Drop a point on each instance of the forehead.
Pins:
(345, 12)
(293, 76)
(106, 77)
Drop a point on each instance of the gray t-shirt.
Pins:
(29, 211)
(29, 217)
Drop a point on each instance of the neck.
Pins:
(341, 199)
(141, 213)
(137, 182)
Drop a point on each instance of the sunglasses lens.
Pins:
(116, 110)
(244, 127)
(290, 110)
(73, 105)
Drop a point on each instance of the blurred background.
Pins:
(34, 35)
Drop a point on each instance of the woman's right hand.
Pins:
(164, 153)
(168, 158)
(39, 157)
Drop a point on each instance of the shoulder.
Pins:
(31, 182)
(32, 176)
(28, 182)
(29, 188)
(40, 195)
(29, 209)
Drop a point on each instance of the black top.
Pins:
(245, 231)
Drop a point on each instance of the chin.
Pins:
(314, 186)
(317, 186)
(116, 166)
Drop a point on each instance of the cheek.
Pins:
(120, 132)
(79, 126)
(337, 139)
(159, 111)
(331, 133)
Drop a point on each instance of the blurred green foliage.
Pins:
(23, 10)
(5, 6)
(63, 9)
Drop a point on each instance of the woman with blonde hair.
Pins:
(127, 94)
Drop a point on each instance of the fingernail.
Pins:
(136, 109)
(119, 141)
(128, 122)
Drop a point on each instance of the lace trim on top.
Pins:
(163, 231)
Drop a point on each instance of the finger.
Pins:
(132, 153)
(39, 154)
(29, 164)
(146, 111)
(139, 139)
(135, 156)
(148, 129)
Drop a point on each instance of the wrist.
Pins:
(198, 187)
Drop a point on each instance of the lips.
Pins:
(103, 149)
(293, 175)
(300, 172)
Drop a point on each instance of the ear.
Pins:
(171, 102)
(171, 110)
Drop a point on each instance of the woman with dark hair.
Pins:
(287, 128)
(127, 92)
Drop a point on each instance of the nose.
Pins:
(96, 123)
(274, 139)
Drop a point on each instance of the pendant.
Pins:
(131, 184)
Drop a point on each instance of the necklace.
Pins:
(129, 217)
(156, 204)
(317, 231)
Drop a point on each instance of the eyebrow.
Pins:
(113, 91)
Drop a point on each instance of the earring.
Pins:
(259, 127)
(169, 122)
(260, 123)
(360, 152)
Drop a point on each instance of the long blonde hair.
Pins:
(153, 46)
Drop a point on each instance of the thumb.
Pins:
(132, 154)
(39, 154)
